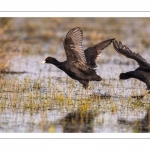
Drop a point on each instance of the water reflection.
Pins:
(78, 122)
(141, 125)
(145, 123)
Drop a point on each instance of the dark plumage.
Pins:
(80, 64)
(142, 73)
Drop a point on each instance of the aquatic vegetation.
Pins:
(5, 58)
(35, 98)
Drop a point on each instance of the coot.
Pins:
(142, 72)
(80, 64)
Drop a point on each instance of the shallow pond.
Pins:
(42, 98)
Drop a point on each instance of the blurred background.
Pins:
(44, 36)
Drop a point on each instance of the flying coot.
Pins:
(142, 73)
(80, 64)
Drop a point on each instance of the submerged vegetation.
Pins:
(35, 98)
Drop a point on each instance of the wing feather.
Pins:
(94, 52)
(73, 46)
(124, 50)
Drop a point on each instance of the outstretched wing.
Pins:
(94, 52)
(124, 50)
(73, 46)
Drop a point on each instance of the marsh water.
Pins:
(42, 98)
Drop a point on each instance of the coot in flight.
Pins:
(80, 64)
(142, 72)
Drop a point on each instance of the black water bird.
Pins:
(142, 73)
(80, 64)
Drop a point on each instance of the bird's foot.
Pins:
(87, 87)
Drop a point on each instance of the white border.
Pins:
(75, 135)
(42, 9)
(77, 5)
(74, 14)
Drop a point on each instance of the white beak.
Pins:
(43, 62)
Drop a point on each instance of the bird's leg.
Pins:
(87, 87)
(85, 83)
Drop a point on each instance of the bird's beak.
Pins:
(43, 62)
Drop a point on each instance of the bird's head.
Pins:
(47, 60)
(50, 60)
(124, 76)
